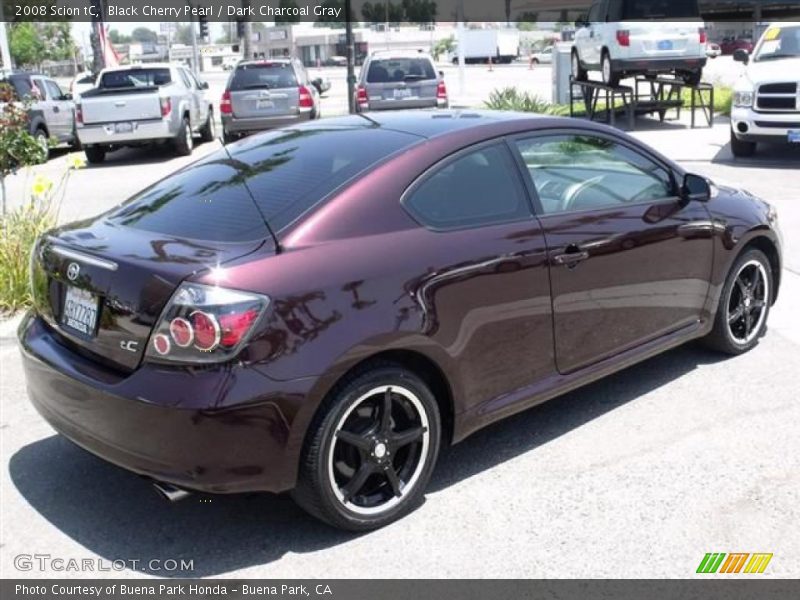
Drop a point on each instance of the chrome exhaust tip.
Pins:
(170, 492)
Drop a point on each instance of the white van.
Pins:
(618, 38)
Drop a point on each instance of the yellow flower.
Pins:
(41, 185)
(76, 161)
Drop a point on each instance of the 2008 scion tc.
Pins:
(319, 309)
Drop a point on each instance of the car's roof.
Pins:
(265, 61)
(427, 123)
(153, 65)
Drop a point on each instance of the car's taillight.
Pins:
(623, 37)
(166, 107)
(225, 107)
(441, 91)
(361, 96)
(205, 324)
(305, 100)
(79, 114)
(703, 35)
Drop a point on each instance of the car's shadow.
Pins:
(117, 515)
(767, 156)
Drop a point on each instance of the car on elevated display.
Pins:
(625, 38)
(320, 308)
(766, 98)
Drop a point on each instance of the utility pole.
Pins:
(461, 40)
(247, 38)
(98, 49)
(351, 57)
(5, 53)
(195, 51)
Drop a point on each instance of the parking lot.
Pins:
(638, 475)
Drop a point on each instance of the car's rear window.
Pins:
(291, 171)
(205, 201)
(392, 70)
(632, 10)
(135, 78)
(287, 171)
(263, 76)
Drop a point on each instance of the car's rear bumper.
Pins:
(181, 426)
(659, 65)
(751, 126)
(404, 104)
(232, 124)
(142, 132)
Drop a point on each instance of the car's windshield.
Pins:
(779, 42)
(263, 76)
(399, 69)
(135, 78)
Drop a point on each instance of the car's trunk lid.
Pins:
(125, 275)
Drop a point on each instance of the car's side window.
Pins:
(575, 172)
(481, 187)
(55, 91)
(40, 89)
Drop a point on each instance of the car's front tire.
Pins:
(370, 450)
(741, 148)
(578, 72)
(744, 305)
(610, 77)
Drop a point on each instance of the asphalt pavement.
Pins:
(639, 475)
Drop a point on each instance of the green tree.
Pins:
(26, 45)
(288, 18)
(118, 38)
(183, 34)
(444, 46)
(419, 11)
(144, 35)
(333, 22)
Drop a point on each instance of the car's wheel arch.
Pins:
(423, 362)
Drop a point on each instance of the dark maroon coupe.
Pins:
(319, 309)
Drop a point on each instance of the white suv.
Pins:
(766, 99)
(617, 39)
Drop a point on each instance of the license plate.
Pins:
(665, 45)
(80, 311)
(123, 127)
(794, 136)
(265, 104)
(399, 94)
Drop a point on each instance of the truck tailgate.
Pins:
(99, 107)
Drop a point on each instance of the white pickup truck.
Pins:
(143, 104)
(766, 99)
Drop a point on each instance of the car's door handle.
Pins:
(55, 109)
(571, 257)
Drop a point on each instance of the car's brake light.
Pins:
(205, 324)
(361, 96)
(624, 37)
(441, 91)
(703, 35)
(306, 100)
(225, 107)
(166, 107)
(79, 114)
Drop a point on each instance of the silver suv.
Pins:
(266, 94)
(394, 80)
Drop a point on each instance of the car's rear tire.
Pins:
(578, 72)
(692, 77)
(228, 138)
(741, 148)
(184, 142)
(95, 154)
(362, 466)
(744, 305)
(610, 77)
(209, 131)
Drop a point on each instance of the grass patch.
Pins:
(511, 98)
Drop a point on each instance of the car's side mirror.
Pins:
(441, 74)
(696, 187)
(203, 85)
(581, 21)
(741, 55)
(66, 96)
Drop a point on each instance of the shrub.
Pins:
(20, 228)
(511, 98)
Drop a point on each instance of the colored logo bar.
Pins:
(734, 562)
